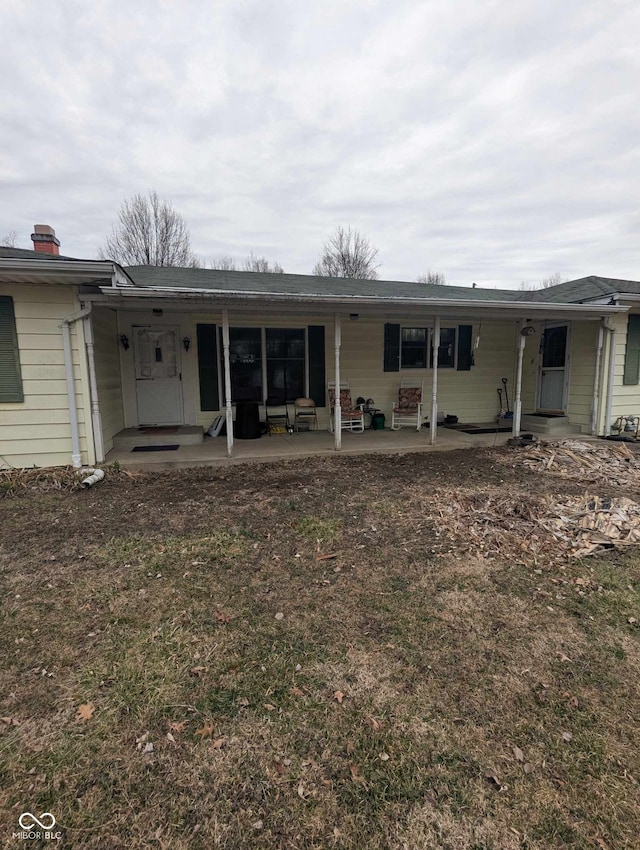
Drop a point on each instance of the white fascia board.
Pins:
(517, 308)
(96, 269)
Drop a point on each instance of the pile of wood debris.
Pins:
(493, 524)
(614, 463)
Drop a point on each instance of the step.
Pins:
(556, 426)
(182, 435)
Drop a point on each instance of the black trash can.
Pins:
(247, 424)
(377, 421)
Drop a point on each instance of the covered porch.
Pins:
(212, 451)
(184, 359)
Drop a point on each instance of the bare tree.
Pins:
(348, 253)
(545, 283)
(150, 233)
(10, 240)
(434, 278)
(252, 263)
(261, 264)
(223, 264)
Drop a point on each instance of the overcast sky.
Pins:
(494, 141)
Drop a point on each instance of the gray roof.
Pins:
(26, 254)
(583, 289)
(298, 284)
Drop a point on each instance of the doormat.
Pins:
(160, 429)
(155, 448)
(480, 429)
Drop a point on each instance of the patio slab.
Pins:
(213, 451)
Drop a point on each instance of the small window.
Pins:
(10, 375)
(416, 348)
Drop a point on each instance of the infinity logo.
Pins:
(46, 820)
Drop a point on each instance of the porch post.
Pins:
(227, 381)
(517, 404)
(337, 410)
(596, 381)
(96, 418)
(435, 345)
(610, 380)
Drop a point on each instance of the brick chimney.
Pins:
(44, 239)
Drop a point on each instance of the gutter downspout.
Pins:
(596, 378)
(76, 455)
(610, 380)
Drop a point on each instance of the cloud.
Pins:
(493, 142)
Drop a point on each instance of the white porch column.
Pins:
(227, 381)
(435, 344)
(610, 381)
(96, 417)
(596, 381)
(517, 404)
(337, 410)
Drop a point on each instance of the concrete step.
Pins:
(182, 435)
(552, 426)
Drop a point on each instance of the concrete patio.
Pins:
(213, 451)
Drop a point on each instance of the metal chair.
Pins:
(351, 418)
(408, 410)
(305, 412)
(277, 415)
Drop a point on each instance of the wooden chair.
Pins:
(351, 418)
(408, 410)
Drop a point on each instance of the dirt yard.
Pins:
(385, 652)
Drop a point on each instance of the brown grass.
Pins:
(416, 693)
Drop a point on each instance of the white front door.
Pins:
(158, 378)
(553, 369)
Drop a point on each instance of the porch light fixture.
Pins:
(354, 316)
(528, 330)
(187, 343)
(124, 339)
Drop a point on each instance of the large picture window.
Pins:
(415, 348)
(245, 354)
(285, 363)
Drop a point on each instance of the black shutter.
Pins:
(465, 351)
(391, 348)
(632, 352)
(10, 378)
(208, 367)
(317, 372)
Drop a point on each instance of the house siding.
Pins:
(470, 395)
(626, 397)
(107, 362)
(37, 431)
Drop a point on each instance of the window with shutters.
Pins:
(416, 353)
(10, 377)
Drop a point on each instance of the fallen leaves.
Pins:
(338, 696)
(85, 711)
(493, 780)
(205, 731)
(519, 755)
(10, 721)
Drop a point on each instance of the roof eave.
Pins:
(516, 307)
